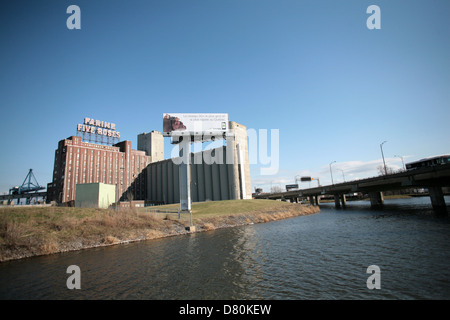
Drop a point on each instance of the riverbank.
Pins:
(386, 197)
(34, 231)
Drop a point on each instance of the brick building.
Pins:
(78, 162)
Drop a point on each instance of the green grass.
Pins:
(228, 207)
(215, 208)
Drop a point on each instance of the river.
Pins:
(321, 256)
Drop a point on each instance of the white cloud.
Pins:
(350, 170)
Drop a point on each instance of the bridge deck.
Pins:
(23, 196)
(437, 176)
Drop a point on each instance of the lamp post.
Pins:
(402, 162)
(331, 172)
(119, 177)
(343, 176)
(382, 154)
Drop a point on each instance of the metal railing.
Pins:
(169, 213)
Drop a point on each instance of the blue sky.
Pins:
(333, 88)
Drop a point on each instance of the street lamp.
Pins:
(382, 154)
(402, 162)
(318, 182)
(343, 176)
(119, 177)
(331, 172)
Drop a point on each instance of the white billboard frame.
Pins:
(185, 128)
(197, 125)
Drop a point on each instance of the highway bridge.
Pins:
(28, 196)
(433, 178)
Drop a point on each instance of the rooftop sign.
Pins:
(99, 129)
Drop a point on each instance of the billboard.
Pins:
(194, 123)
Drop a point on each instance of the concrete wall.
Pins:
(214, 181)
(218, 174)
(241, 157)
(95, 195)
(107, 195)
(86, 195)
(153, 145)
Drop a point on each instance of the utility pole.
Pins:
(382, 154)
(402, 162)
(343, 176)
(331, 172)
(185, 174)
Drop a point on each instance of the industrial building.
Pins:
(218, 174)
(78, 162)
(144, 174)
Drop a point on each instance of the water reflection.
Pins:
(322, 256)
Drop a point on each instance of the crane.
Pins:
(27, 186)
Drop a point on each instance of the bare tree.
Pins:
(381, 171)
(275, 189)
(130, 195)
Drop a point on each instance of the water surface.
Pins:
(321, 256)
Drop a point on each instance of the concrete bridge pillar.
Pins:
(314, 200)
(343, 200)
(337, 201)
(340, 201)
(376, 199)
(437, 199)
(317, 199)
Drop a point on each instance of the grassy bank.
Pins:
(31, 231)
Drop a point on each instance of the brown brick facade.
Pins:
(79, 162)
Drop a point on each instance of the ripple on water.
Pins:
(322, 256)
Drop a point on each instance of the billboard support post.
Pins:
(185, 128)
(185, 175)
